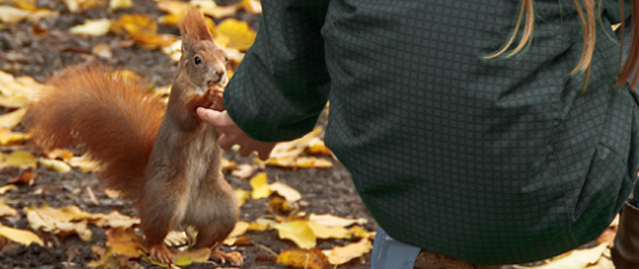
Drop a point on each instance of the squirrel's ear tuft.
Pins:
(194, 26)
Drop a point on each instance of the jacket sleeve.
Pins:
(612, 10)
(281, 86)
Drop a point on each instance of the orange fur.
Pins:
(108, 115)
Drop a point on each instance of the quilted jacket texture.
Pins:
(489, 161)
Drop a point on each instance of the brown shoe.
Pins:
(432, 260)
(625, 252)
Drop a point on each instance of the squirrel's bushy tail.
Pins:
(104, 113)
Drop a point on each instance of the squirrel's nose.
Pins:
(220, 75)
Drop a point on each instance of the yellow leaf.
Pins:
(12, 15)
(325, 232)
(210, 8)
(80, 5)
(297, 231)
(342, 255)
(260, 186)
(107, 260)
(12, 119)
(55, 165)
(23, 237)
(241, 196)
(118, 4)
(85, 163)
(7, 188)
(576, 259)
(361, 232)
(243, 171)
(103, 51)
(19, 158)
(6, 210)
(114, 220)
(235, 34)
(97, 27)
(8, 137)
(316, 146)
(291, 195)
(252, 6)
(183, 258)
(281, 207)
(125, 242)
(226, 164)
(308, 259)
(13, 100)
(334, 221)
(134, 24)
(64, 154)
(61, 221)
(260, 227)
(173, 7)
(240, 229)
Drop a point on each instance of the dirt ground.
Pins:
(24, 50)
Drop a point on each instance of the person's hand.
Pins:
(232, 134)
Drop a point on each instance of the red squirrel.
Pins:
(164, 158)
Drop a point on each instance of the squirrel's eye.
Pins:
(197, 60)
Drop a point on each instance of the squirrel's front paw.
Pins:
(214, 98)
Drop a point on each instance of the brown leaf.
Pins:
(279, 206)
(26, 177)
(125, 242)
(342, 255)
(299, 258)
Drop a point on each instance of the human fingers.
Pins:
(225, 142)
(265, 151)
(216, 118)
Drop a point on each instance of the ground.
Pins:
(25, 52)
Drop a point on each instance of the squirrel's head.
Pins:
(203, 62)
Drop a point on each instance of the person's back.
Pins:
(491, 161)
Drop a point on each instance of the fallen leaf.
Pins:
(11, 15)
(12, 119)
(260, 186)
(183, 258)
(133, 24)
(13, 100)
(241, 196)
(19, 158)
(604, 262)
(107, 260)
(111, 193)
(226, 164)
(124, 242)
(8, 137)
(299, 258)
(291, 195)
(576, 259)
(240, 229)
(251, 6)
(172, 7)
(23, 237)
(26, 177)
(325, 232)
(97, 27)
(334, 221)
(103, 51)
(260, 227)
(361, 232)
(61, 221)
(316, 146)
(6, 210)
(210, 8)
(607, 237)
(243, 171)
(84, 163)
(281, 207)
(342, 255)
(234, 34)
(119, 4)
(114, 220)
(55, 165)
(297, 231)
(7, 188)
(81, 5)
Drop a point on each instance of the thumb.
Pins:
(210, 116)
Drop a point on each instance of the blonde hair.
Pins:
(586, 13)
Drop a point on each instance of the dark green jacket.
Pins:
(490, 161)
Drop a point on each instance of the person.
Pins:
(458, 144)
